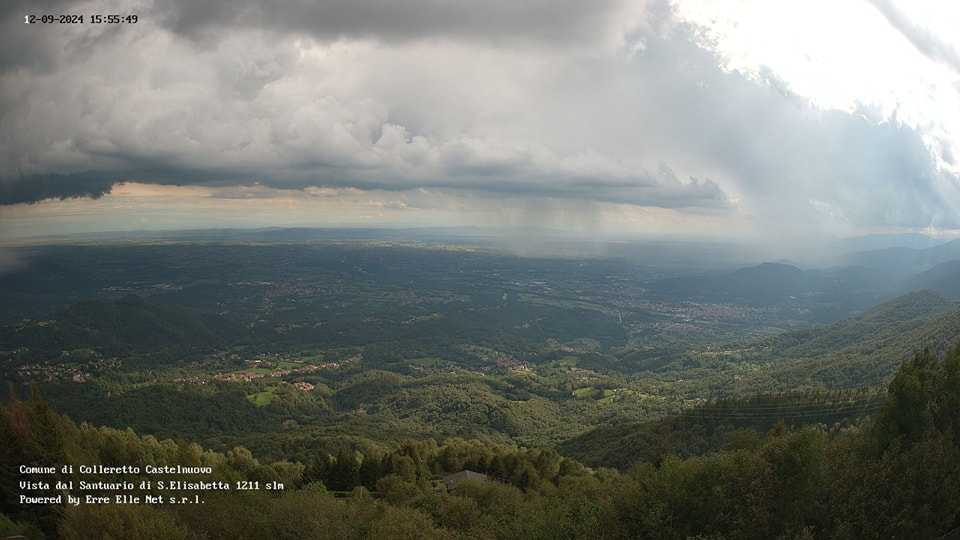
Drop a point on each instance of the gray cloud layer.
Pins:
(564, 99)
(557, 22)
(925, 42)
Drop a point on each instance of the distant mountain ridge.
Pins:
(766, 283)
(899, 256)
(944, 277)
(854, 282)
(883, 241)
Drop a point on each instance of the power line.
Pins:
(863, 409)
(795, 405)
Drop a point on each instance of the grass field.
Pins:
(262, 399)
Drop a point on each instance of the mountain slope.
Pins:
(768, 283)
(714, 425)
(889, 319)
(864, 350)
(943, 278)
(872, 362)
(820, 374)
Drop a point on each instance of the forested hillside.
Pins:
(897, 475)
(713, 426)
(867, 350)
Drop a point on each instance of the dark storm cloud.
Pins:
(554, 21)
(34, 188)
(525, 178)
(19, 8)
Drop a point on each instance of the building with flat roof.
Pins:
(451, 481)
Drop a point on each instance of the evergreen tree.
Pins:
(11, 456)
(345, 471)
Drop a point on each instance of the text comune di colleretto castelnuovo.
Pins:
(149, 469)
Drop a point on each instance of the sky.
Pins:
(759, 119)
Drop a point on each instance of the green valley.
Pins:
(329, 363)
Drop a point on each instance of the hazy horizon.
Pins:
(724, 252)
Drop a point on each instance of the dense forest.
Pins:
(895, 474)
